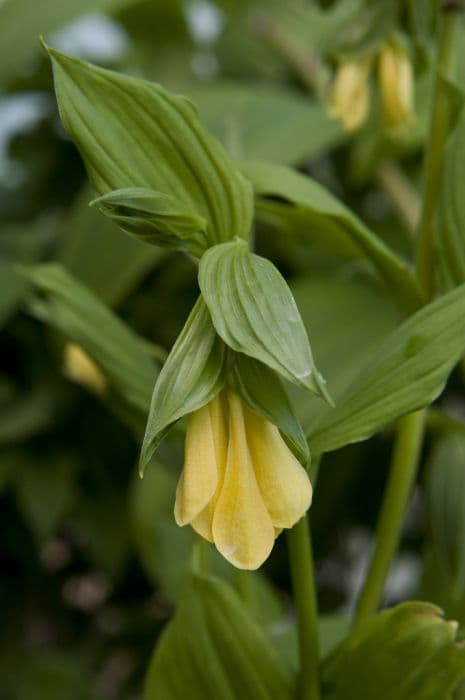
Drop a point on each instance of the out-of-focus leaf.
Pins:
(46, 491)
(445, 494)
(142, 136)
(365, 30)
(451, 214)
(262, 390)
(163, 547)
(407, 652)
(88, 238)
(408, 371)
(269, 123)
(191, 376)
(313, 214)
(254, 312)
(45, 675)
(22, 22)
(28, 414)
(19, 244)
(123, 357)
(348, 315)
(12, 289)
(105, 531)
(212, 624)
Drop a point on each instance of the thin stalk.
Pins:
(401, 478)
(200, 557)
(402, 194)
(303, 584)
(438, 132)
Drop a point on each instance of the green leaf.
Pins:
(407, 652)
(87, 238)
(349, 316)
(266, 122)
(155, 218)
(125, 359)
(191, 376)
(264, 393)
(212, 648)
(451, 213)
(314, 215)
(445, 498)
(142, 136)
(408, 372)
(254, 312)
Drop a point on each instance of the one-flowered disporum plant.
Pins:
(164, 179)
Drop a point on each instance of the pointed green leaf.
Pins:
(407, 652)
(307, 210)
(445, 498)
(213, 649)
(264, 393)
(155, 218)
(408, 372)
(191, 376)
(253, 310)
(125, 359)
(133, 133)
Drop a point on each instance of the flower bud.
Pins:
(350, 93)
(80, 368)
(395, 85)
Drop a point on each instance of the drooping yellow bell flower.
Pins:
(80, 368)
(349, 98)
(241, 485)
(395, 77)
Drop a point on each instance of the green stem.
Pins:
(401, 478)
(438, 132)
(303, 584)
(200, 556)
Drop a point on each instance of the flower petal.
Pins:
(283, 482)
(199, 477)
(242, 529)
(218, 408)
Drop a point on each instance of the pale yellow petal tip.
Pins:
(249, 484)
(80, 368)
(349, 98)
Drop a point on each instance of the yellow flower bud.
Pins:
(240, 485)
(80, 368)
(349, 98)
(396, 86)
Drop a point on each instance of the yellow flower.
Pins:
(80, 368)
(240, 485)
(396, 86)
(350, 93)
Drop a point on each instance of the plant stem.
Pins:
(401, 478)
(438, 132)
(401, 192)
(303, 584)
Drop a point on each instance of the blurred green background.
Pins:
(91, 560)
